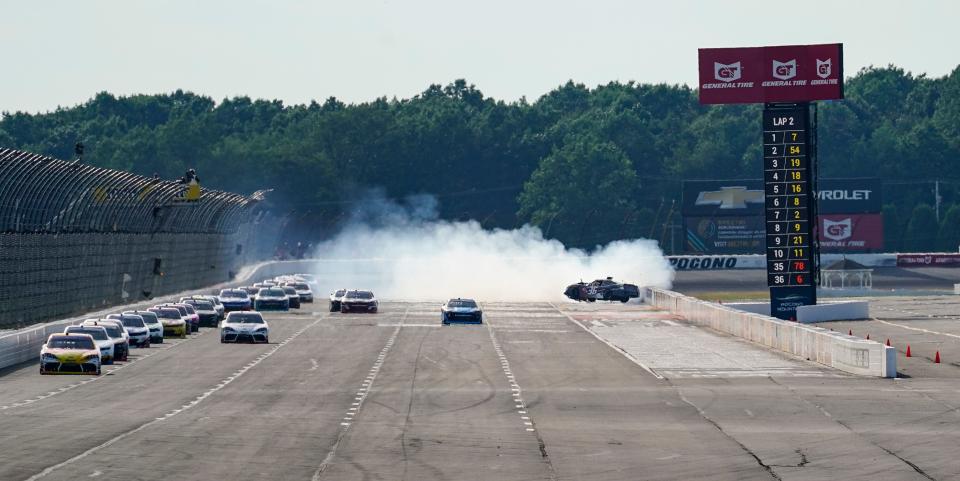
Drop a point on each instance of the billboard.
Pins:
(726, 216)
(734, 234)
(722, 198)
(850, 196)
(788, 73)
(851, 232)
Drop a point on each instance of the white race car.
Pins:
(244, 326)
(152, 322)
(100, 338)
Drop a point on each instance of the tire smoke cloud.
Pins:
(403, 251)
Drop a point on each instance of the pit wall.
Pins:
(24, 345)
(830, 348)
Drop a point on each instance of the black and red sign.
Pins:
(851, 232)
(789, 208)
(789, 73)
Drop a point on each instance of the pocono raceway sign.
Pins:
(788, 73)
(759, 261)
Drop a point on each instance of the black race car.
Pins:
(602, 289)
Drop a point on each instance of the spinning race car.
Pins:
(603, 290)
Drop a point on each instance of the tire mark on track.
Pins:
(186, 407)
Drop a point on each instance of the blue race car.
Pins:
(461, 310)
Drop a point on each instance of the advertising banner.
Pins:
(928, 260)
(850, 196)
(851, 232)
(789, 73)
(708, 198)
(725, 234)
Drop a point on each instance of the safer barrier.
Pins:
(24, 345)
(74, 237)
(834, 349)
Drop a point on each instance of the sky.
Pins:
(62, 52)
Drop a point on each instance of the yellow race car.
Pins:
(173, 323)
(70, 354)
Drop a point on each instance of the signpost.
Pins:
(786, 79)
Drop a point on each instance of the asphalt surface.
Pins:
(540, 391)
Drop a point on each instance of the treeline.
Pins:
(586, 165)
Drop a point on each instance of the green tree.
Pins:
(921, 232)
(892, 229)
(948, 239)
(580, 190)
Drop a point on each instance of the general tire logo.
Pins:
(726, 73)
(824, 67)
(785, 70)
(838, 230)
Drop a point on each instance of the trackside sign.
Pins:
(789, 73)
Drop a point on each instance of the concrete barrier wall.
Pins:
(830, 348)
(24, 344)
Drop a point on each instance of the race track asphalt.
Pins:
(539, 391)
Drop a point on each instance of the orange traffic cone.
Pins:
(908, 351)
(936, 360)
(850, 332)
(868, 336)
(888, 342)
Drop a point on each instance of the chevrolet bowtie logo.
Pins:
(730, 197)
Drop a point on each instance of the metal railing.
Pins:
(75, 237)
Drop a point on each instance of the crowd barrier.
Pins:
(830, 348)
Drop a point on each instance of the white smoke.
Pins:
(404, 252)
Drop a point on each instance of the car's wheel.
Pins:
(590, 299)
(624, 299)
(98, 371)
(266, 339)
(183, 335)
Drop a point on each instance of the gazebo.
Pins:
(846, 274)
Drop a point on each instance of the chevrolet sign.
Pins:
(730, 197)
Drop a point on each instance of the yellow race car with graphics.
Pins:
(70, 354)
(173, 323)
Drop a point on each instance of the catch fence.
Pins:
(74, 237)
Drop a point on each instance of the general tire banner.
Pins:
(851, 232)
(789, 73)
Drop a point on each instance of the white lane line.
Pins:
(615, 348)
(173, 413)
(917, 329)
(113, 368)
(514, 387)
(360, 398)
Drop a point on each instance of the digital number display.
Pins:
(788, 197)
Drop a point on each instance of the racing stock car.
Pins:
(461, 310)
(244, 326)
(70, 353)
(603, 290)
(359, 301)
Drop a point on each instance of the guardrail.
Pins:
(830, 348)
(24, 345)
(74, 237)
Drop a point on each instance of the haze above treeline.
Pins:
(587, 165)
